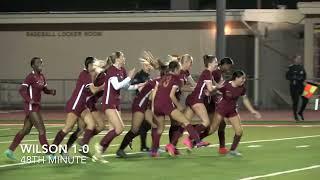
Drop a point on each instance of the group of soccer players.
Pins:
(211, 98)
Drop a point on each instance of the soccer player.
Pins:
(30, 90)
(164, 102)
(115, 80)
(195, 102)
(140, 110)
(176, 130)
(225, 66)
(100, 67)
(76, 106)
(227, 108)
(141, 77)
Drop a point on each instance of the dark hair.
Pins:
(160, 63)
(163, 70)
(208, 59)
(114, 56)
(184, 58)
(33, 60)
(111, 60)
(237, 74)
(89, 60)
(226, 60)
(173, 65)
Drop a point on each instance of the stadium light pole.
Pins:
(220, 35)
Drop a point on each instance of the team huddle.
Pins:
(211, 98)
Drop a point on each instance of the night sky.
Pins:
(118, 5)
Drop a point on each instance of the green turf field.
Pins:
(290, 151)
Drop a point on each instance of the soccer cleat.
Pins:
(296, 118)
(300, 116)
(187, 142)
(145, 149)
(10, 154)
(101, 160)
(202, 144)
(99, 151)
(121, 154)
(234, 153)
(171, 150)
(223, 150)
(154, 153)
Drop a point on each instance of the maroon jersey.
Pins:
(184, 74)
(230, 95)
(111, 96)
(32, 87)
(210, 101)
(142, 97)
(81, 92)
(92, 100)
(217, 75)
(198, 91)
(162, 101)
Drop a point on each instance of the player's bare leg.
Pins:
(236, 125)
(156, 135)
(114, 117)
(27, 126)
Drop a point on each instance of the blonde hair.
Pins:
(186, 58)
(99, 65)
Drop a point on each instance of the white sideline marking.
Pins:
(213, 145)
(254, 146)
(5, 129)
(281, 172)
(302, 146)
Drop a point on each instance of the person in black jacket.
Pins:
(143, 76)
(296, 74)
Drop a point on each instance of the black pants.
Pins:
(296, 96)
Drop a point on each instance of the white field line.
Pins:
(5, 129)
(281, 172)
(303, 146)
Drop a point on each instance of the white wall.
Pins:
(64, 56)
